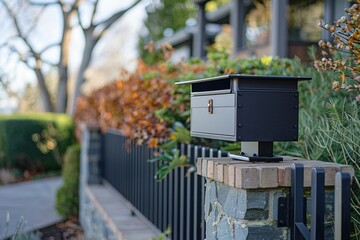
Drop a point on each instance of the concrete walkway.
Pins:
(33, 201)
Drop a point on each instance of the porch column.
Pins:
(200, 35)
(237, 21)
(333, 9)
(279, 31)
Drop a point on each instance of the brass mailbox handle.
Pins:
(210, 106)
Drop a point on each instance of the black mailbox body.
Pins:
(246, 108)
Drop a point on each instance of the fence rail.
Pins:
(176, 202)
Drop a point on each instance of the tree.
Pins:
(73, 13)
(168, 14)
(164, 15)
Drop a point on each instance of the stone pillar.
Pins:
(89, 166)
(241, 198)
(90, 155)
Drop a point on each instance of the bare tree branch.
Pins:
(79, 20)
(108, 22)
(75, 6)
(49, 47)
(17, 27)
(50, 63)
(21, 57)
(94, 12)
(45, 4)
(6, 87)
(34, 22)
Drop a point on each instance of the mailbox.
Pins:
(254, 110)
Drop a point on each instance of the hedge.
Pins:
(17, 148)
(67, 196)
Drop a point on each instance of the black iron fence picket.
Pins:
(176, 202)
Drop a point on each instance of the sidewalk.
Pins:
(34, 201)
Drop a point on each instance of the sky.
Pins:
(125, 31)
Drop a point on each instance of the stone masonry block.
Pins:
(256, 214)
(207, 202)
(329, 202)
(219, 172)
(284, 176)
(257, 200)
(212, 191)
(265, 232)
(241, 204)
(211, 228)
(210, 170)
(307, 176)
(268, 177)
(204, 167)
(240, 230)
(329, 207)
(231, 207)
(232, 176)
(198, 166)
(229, 175)
(247, 178)
(223, 192)
(330, 176)
(257, 205)
(224, 229)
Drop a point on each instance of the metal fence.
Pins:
(292, 209)
(176, 202)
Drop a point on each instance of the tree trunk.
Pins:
(62, 93)
(90, 43)
(44, 92)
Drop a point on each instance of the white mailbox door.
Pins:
(214, 116)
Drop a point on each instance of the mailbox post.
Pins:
(254, 110)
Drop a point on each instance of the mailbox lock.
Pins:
(210, 106)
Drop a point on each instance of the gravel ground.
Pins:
(66, 230)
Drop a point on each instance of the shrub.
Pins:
(132, 105)
(342, 56)
(337, 138)
(327, 131)
(17, 148)
(67, 196)
(147, 105)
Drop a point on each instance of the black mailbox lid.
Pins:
(234, 82)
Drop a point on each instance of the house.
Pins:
(283, 28)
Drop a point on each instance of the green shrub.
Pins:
(67, 196)
(17, 148)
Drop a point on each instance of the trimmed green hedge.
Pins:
(67, 196)
(18, 150)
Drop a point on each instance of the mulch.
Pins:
(67, 230)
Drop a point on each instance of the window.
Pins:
(257, 29)
(303, 19)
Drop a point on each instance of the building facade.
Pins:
(283, 28)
